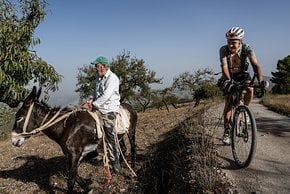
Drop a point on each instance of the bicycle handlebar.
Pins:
(261, 86)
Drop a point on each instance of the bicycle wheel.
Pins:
(244, 136)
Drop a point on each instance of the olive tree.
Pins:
(19, 63)
(201, 84)
(135, 78)
(281, 78)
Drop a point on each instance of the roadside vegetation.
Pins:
(184, 159)
(278, 103)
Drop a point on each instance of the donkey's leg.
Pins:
(73, 170)
(122, 147)
(131, 136)
(74, 177)
(84, 183)
(132, 133)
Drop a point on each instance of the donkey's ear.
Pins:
(31, 95)
(38, 93)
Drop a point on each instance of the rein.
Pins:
(43, 125)
(105, 158)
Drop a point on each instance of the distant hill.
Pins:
(63, 99)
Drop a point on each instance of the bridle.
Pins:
(27, 117)
(43, 125)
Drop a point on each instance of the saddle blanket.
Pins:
(122, 121)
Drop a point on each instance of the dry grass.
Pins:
(184, 159)
(278, 103)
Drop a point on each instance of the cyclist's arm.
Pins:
(256, 66)
(226, 71)
(224, 64)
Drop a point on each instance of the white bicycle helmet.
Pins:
(235, 33)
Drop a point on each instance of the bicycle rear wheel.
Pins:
(244, 136)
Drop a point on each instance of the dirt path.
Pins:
(270, 170)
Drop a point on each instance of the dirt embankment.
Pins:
(164, 162)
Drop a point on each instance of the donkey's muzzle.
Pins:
(16, 139)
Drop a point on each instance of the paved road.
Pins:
(270, 170)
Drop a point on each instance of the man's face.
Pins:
(234, 45)
(101, 69)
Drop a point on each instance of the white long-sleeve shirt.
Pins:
(106, 94)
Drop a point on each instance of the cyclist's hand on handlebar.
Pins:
(227, 86)
(264, 84)
(226, 83)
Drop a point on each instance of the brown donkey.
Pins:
(73, 130)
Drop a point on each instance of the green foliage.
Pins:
(135, 78)
(220, 82)
(86, 81)
(207, 90)
(189, 81)
(155, 99)
(19, 65)
(142, 100)
(164, 97)
(281, 78)
(201, 84)
(6, 121)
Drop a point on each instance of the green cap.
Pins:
(102, 60)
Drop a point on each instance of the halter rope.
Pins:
(42, 127)
(27, 117)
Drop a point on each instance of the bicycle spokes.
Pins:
(243, 136)
(242, 126)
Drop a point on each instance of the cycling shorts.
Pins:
(241, 77)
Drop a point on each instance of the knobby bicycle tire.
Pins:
(244, 136)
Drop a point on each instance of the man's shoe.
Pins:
(226, 139)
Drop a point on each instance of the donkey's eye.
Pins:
(19, 119)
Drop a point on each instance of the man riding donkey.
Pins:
(106, 99)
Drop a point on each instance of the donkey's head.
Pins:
(25, 118)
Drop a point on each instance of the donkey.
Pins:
(74, 131)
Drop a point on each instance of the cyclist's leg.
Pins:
(249, 91)
(249, 96)
(227, 116)
(227, 110)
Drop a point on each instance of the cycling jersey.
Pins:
(236, 62)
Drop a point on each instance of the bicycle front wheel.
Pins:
(244, 136)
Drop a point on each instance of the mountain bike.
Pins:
(243, 129)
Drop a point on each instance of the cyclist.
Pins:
(234, 63)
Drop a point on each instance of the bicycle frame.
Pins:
(243, 131)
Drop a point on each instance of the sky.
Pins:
(171, 36)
